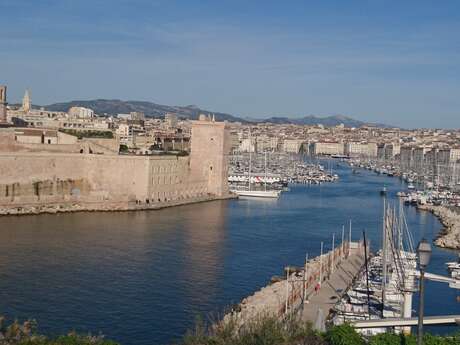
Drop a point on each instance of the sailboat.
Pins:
(250, 192)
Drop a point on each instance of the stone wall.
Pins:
(36, 175)
(32, 178)
(65, 144)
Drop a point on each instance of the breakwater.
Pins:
(449, 236)
(305, 290)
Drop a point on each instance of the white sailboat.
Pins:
(256, 193)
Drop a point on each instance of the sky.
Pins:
(393, 62)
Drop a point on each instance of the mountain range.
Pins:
(112, 107)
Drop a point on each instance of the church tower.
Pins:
(3, 104)
(26, 102)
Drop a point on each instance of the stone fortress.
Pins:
(49, 171)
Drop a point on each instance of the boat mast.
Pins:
(265, 170)
(384, 254)
(367, 275)
(250, 158)
(349, 240)
(321, 265)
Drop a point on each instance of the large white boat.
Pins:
(254, 193)
(258, 193)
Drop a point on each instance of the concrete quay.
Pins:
(319, 303)
(302, 295)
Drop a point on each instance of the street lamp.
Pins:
(424, 256)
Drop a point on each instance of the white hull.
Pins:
(258, 193)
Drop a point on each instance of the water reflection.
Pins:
(204, 234)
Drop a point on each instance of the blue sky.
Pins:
(396, 62)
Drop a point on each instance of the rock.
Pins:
(449, 236)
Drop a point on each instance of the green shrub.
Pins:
(86, 133)
(344, 335)
(388, 339)
(25, 334)
(428, 339)
(264, 330)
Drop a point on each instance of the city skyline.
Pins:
(378, 62)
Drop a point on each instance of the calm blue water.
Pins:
(143, 277)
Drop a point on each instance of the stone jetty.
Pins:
(449, 236)
(307, 289)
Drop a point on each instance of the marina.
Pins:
(436, 187)
(269, 174)
(66, 270)
(384, 288)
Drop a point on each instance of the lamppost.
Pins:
(424, 256)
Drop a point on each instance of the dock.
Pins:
(308, 291)
(318, 303)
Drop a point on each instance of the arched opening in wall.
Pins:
(81, 151)
(210, 168)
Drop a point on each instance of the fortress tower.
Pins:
(3, 104)
(210, 147)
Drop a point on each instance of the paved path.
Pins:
(331, 289)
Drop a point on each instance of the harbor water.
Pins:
(144, 277)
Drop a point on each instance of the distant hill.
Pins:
(150, 109)
(328, 121)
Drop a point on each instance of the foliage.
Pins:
(272, 331)
(390, 339)
(124, 148)
(344, 335)
(25, 334)
(428, 339)
(88, 133)
(262, 331)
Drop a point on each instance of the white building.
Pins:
(328, 148)
(292, 145)
(171, 120)
(81, 113)
(360, 149)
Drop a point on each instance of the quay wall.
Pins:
(38, 178)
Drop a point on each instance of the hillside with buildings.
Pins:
(111, 107)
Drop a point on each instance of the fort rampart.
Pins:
(39, 181)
